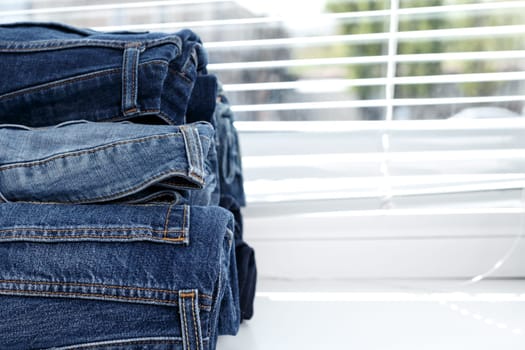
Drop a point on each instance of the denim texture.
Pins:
(203, 99)
(245, 257)
(109, 76)
(209, 103)
(159, 262)
(228, 150)
(121, 235)
(86, 162)
(233, 198)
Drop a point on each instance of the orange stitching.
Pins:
(87, 294)
(205, 296)
(96, 285)
(153, 238)
(93, 150)
(167, 221)
(103, 296)
(155, 204)
(98, 229)
(178, 239)
(187, 295)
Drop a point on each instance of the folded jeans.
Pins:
(159, 263)
(88, 162)
(154, 74)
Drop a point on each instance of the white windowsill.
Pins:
(404, 315)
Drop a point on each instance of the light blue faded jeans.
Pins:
(86, 162)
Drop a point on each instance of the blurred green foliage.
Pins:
(434, 21)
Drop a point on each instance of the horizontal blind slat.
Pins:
(103, 7)
(320, 84)
(382, 125)
(374, 103)
(243, 21)
(377, 193)
(300, 160)
(452, 33)
(357, 14)
(409, 58)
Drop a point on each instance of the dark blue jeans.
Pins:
(53, 73)
(134, 276)
(160, 78)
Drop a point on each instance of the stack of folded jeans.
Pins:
(120, 193)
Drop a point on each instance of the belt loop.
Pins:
(190, 320)
(194, 152)
(130, 64)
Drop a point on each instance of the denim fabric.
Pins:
(245, 257)
(158, 276)
(203, 100)
(211, 196)
(209, 103)
(210, 94)
(151, 267)
(95, 76)
(228, 150)
(86, 162)
(233, 197)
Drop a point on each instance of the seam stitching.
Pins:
(124, 81)
(195, 322)
(97, 285)
(66, 81)
(182, 307)
(142, 342)
(102, 296)
(93, 150)
(97, 229)
(166, 222)
(178, 239)
(133, 84)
